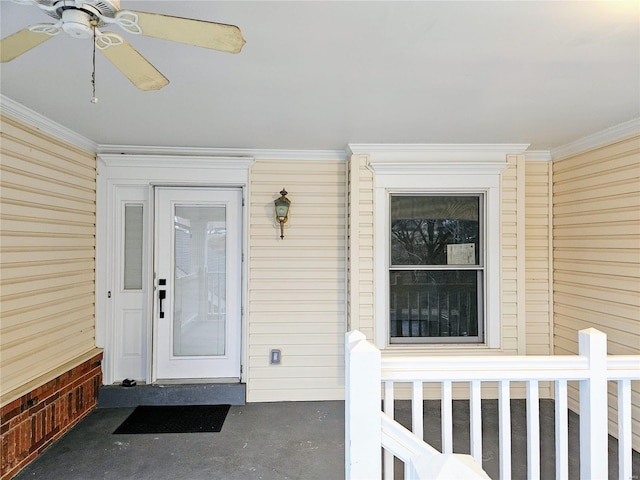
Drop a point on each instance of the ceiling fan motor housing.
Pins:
(77, 23)
(93, 10)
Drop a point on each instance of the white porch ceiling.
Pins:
(321, 75)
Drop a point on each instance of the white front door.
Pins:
(197, 282)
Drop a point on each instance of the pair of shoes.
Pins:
(128, 383)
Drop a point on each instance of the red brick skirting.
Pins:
(32, 422)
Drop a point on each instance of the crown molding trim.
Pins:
(33, 119)
(537, 156)
(598, 139)
(437, 168)
(174, 161)
(258, 154)
(437, 152)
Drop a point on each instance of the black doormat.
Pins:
(174, 419)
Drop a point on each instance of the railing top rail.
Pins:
(510, 367)
(623, 367)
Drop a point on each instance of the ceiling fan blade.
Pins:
(20, 42)
(217, 36)
(135, 67)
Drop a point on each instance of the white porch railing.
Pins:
(368, 429)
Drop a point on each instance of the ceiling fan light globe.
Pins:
(77, 23)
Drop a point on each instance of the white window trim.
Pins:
(439, 169)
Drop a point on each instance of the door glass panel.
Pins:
(132, 247)
(199, 307)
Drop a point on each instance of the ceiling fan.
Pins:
(84, 18)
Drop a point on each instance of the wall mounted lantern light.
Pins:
(282, 210)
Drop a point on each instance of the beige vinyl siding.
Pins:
(48, 250)
(361, 299)
(511, 269)
(297, 285)
(539, 337)
(596, 226)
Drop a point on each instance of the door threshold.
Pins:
(194, 381)
(112, 396)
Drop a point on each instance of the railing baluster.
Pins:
(417, 426)
(389, 398)
(475, 424)
(389, 410)
(533, 430)
(562, 429)
(504, 429)
(446, 417)
(592, 344)
(624, 429)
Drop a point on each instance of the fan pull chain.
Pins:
(94, 99)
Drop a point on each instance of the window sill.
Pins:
(410, 350)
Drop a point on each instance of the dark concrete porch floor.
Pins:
(277, 441)
(289, 440)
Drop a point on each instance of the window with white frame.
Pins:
(437, 244)
(436, 268)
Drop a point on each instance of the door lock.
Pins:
(162, 294)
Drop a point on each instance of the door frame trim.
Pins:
(145, 172)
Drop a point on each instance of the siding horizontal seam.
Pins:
(59, 326)
(72, 174)
(27, 132)
(24, 188)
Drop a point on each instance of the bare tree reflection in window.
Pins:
(430, 297)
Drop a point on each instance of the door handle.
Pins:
(162, 294)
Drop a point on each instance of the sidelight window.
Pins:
(133, 246)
